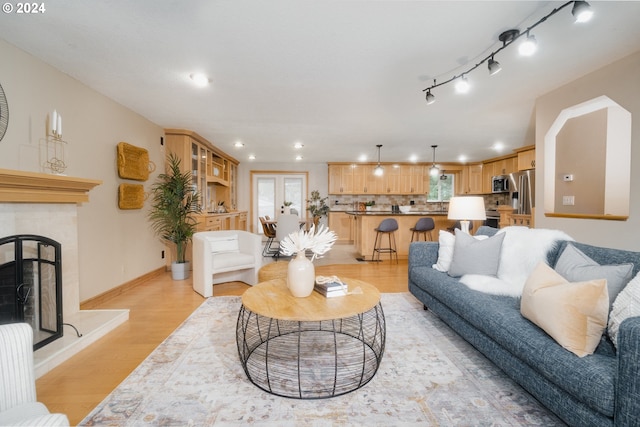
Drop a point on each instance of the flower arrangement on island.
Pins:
(318, 240)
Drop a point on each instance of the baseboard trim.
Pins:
(94, 302)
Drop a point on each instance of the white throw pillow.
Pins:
(627, 304)
(445, 251)
(224, 244)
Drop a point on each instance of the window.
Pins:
(441, 187)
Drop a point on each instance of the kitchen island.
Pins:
(365, 223)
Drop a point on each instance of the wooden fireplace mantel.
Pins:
(32, 187)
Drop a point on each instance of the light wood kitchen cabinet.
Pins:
(412, 179)
(471, 179)
(487, 174)
(372, 184)
(360, 179)
(341, 179)
(223, 221)
(392, 180)
(505, 166)
(527, 159)
(242, 221)
(340, 223)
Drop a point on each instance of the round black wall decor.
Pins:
(4, 113)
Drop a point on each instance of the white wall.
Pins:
(618, 81)
(115, 246)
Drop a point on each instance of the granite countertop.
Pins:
(222, 213)
(387, 213)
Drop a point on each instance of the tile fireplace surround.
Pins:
(46, 205)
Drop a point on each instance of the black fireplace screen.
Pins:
(31, 285)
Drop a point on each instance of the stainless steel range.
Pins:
(493, 218)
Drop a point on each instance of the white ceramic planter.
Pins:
(180, 270)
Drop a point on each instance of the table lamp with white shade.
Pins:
(466, 208)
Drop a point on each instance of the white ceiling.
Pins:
(340, 76)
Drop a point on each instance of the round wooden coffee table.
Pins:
(313, 347)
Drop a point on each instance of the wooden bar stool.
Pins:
(387, 226)
(422, 227)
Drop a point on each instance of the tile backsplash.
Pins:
(384, 202)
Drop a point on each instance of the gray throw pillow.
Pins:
(472, 256)
(575, 266)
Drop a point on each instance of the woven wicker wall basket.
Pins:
(133, 162)
(131, 196)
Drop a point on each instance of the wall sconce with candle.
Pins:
(52, 147)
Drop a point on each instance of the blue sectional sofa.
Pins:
(602, 389)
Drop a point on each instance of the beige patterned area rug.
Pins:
(428, 376)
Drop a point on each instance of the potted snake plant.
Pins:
(175, 201)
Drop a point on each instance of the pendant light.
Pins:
(433, 170)
(379, 170)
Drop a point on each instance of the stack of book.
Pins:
(331, 289)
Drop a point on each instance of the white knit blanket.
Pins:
(522, 249)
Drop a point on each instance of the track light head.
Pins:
(581, 11)
(528, 46)
(430, 97)
(494, 67)
(462, 85)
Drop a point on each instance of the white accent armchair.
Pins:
(225, 256)
(18, 405)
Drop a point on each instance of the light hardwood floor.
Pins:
(157, 308)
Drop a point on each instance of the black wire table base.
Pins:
(311, 360)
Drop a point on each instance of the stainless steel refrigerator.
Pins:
(522, 190)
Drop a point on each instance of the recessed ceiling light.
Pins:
(413, 158)
(362, 158)
(200, 79)
(252, 157)
(298, 145)
(298, 157)
(462, 158)
(498, 146)
(238, 144)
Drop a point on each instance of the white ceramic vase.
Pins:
(301, 276)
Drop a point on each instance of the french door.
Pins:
(270, 191)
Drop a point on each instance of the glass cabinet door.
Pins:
(202, 188)
(194, 165)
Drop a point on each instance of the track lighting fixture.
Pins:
(581, 11)
(494, 67)
(379, 170)
(434, 170)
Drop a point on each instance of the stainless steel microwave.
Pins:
(500, 184)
